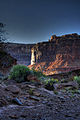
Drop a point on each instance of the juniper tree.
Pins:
(2, 33)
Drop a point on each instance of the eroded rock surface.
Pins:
(21, 52)
(60, 54)
(32, 102)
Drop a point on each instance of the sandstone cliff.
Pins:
(21, 52)
(60, 54)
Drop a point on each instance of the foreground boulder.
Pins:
(13, 88)
(32, 78)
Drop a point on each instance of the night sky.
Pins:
(31, 21)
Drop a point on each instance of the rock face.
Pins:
(21, 52)
(60, 54)
(6, 61)
(13, 89)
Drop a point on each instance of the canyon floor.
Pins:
(31, 101)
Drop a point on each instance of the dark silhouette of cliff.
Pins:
(6, 61)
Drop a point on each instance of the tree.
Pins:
(2, 33)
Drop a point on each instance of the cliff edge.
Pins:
(59, 54)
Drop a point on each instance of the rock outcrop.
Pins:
(6, 61)
(21, 52)
(60, 54)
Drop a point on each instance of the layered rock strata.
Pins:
(21, 52)
(59, 54)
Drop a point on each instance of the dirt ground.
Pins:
(31, 101)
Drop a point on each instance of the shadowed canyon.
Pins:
(59, 54)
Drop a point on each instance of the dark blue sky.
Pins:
(30, 21)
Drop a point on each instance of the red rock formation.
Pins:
(60, 54)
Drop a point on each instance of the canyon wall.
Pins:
(6, 61)
(59, 54)
(21, 52)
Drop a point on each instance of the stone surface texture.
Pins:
(60, 54)
(21, 52)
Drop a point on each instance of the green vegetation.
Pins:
(75, 91)
(56, 92)
(31, 91)
(37, 73)
(77, 78)
(19, 73)
(49, 83)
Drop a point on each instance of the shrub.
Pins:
(77, 78)
(49, 83)
(55, 92)
(37, 73)
(19, 73)
(31, 91)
